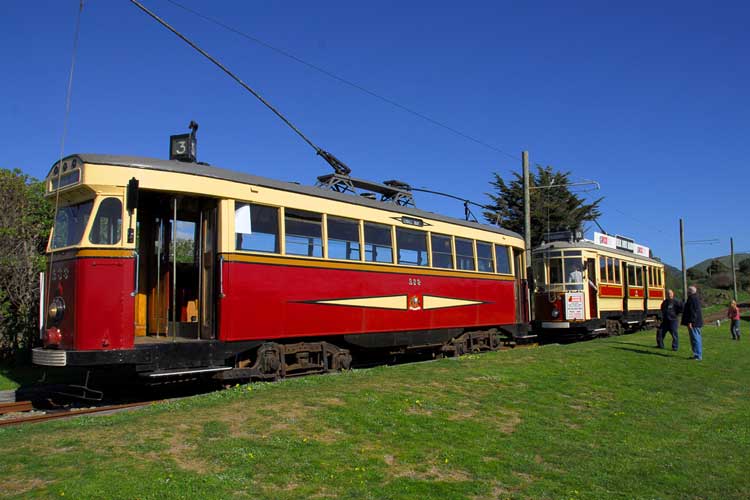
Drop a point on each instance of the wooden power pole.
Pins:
(734, 271)
(526, 206)
(682, 252)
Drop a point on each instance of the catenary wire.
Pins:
(66, 116)
(342, 80)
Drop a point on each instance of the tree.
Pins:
(25, 222)
(744, 266)
(553, 208)
(695, 274)
(716, 266)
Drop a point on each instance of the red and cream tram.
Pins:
(584, 288)
(172, 268)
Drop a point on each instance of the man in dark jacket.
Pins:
(692, 317)
(670, 308)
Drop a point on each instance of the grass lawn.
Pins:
(610, 418)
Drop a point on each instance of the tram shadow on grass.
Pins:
(654, 351)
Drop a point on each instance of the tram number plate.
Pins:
(415, 282)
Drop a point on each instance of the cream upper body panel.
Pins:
(106, 178)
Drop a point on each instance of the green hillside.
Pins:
(724, 259)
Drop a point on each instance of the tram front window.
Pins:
(70, 223)
(573, 271)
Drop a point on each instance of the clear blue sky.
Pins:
(651, 99)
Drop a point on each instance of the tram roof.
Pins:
(204, 170)
(590, 245)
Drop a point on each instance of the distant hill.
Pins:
(725, 259)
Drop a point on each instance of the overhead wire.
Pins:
(66, 117)
(341, 79)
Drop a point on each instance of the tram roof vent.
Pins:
(369, 196)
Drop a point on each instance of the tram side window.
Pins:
(631, 274)
(555, 271)
(603, 269)
(484, 257)
(343, 238)
(378, 243)
(617, 271)
(412, 247)
(107, 225)
(256, 227)
(304, 233)
(502, 260)
(442, 251)
(464, 254)
(639, 276)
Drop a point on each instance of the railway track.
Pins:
(45, 415)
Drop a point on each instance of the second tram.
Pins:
(610, 285)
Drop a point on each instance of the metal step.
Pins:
(189, 371)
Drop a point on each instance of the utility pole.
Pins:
(734, 272)
(526, 206)
(682, 252)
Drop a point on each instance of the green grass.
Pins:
(13, 376)
(610, 418)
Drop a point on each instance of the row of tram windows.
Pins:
(257, 230)
(609, 272)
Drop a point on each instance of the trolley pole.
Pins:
(526, 206)
(682, 252)
(734, 271)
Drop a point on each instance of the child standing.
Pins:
(733, 313)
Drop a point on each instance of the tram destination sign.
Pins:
(621, 243)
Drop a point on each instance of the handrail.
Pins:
(137, 272)
(221, 277)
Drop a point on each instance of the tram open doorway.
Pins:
(176, 245)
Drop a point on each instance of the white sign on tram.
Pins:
(574, 305)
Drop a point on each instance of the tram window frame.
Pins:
(70, 224)
(411, 247)
(375, 241)
(603, 277)
(308, 232)
(462, 259)
(104, 222)
(505, 268)
(618, 275)
(438, 251)
(487, 259)
(345, 243)
(639, 275)
(263, 218)
(555, 271)
(630, 273)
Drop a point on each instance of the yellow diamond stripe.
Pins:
(388, 302)
(431, 302)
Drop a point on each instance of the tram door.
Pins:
(593, 290)
(176, 247)
(522, 289)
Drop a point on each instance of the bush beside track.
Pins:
(609, 418)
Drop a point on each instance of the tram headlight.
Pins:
(555, 313)
(56, 309)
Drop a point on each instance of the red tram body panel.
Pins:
(286, 300)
